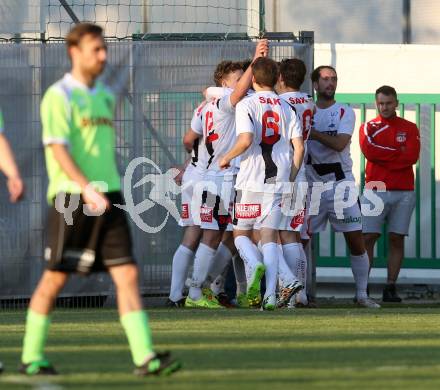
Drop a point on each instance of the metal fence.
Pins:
(422, 247)
(158, 85)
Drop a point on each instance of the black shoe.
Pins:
(42, 367)
(224, 300)
(180, 303)
(161, 364)
(390, 294)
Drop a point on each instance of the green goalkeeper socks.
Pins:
(37, 328)
(138, 334)
(135, 325)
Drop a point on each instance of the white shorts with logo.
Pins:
(342, 219)
(190, 178)
(257, 210)
(216, 194)
(398, 207)
(293, 207)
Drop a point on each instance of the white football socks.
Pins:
(285, 272)
(202, 263)
(360, 266)
(301, 274)
(181, 262)
(248, 252)
(270, 258)
(220, 261)
(292, 254)
(240, 274)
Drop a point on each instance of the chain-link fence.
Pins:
(52, 19)
(158, 86)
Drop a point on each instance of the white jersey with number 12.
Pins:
(305, 107)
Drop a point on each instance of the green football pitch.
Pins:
(327, 348)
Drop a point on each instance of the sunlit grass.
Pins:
(342, 348)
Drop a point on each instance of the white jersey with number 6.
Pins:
(305, 107)
(266, 164)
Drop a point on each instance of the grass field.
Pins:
(333, 348)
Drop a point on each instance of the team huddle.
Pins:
(258, 145)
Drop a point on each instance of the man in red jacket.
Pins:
(391, 146)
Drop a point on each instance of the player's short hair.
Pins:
(223, 69)
(387, 91)
(246, 64)
(293, 72)
(265, 72)
(73, 38)
(316, 74)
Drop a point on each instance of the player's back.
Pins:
(218, 122)
(324, 163)
(304, 107)
(268, 160)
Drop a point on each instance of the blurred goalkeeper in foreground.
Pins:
(90, 234)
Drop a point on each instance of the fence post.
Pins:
(262, 22)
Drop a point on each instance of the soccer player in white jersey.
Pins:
(329, 171)
(9, 167)
(217, 190)
(191, 174)
(267, 127)
(292, 75)
(184, 254)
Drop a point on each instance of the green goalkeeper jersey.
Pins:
(82, 119)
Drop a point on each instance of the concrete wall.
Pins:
(363, 68)
(356, 21)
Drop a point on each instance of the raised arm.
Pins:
(245, 81)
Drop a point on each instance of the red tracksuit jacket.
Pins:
(391, 147)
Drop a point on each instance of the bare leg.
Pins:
(43, 298)
(191, 237)
(38, 318)
(288, 237)
(126, 280)
(355, 242)
(395, 257)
